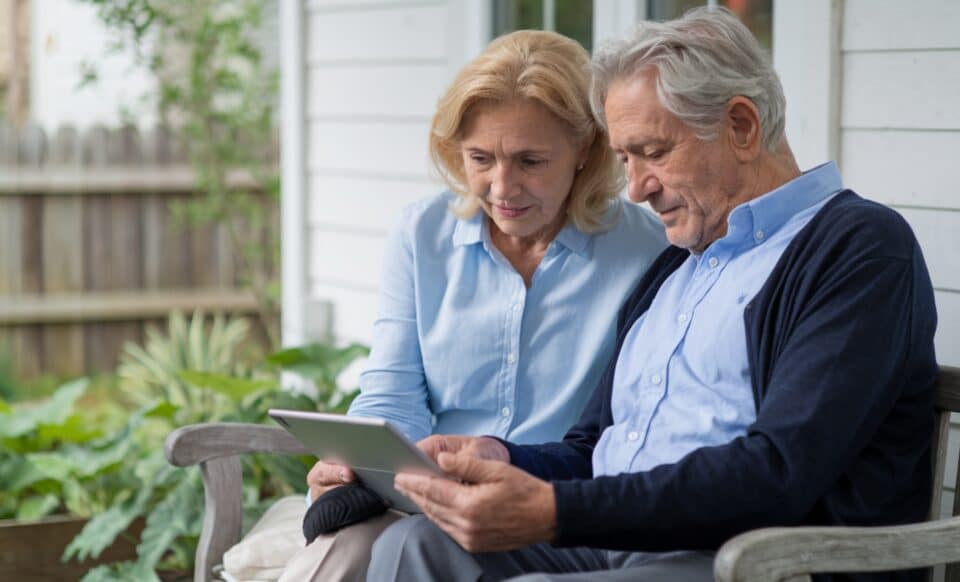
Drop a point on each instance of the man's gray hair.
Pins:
(702, 60)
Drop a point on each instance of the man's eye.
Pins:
(532, 162)
(622, 159)
(654, 154)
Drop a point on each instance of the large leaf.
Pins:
(235, 388)
(17, 473)
(319, 362)
(120, 572)
(37, 506)
(24, 419)
(173, 517)
(102, 530)
(81, 461)
(77, 428)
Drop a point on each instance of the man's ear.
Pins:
(743, 128)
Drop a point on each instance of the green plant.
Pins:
(190, 375)
(35, 480)
(214, 90)
(153, 371)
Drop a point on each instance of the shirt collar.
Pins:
(471, 231)
(761, 217)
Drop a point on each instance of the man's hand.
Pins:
(479, 447)
(498, 507)
(325, 475)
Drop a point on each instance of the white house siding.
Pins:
(374, 73)
(900, 136)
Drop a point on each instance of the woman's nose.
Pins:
(502, 183)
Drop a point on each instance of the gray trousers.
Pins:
(415, 549)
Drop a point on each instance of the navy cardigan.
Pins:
(842, 367)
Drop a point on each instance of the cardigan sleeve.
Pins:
(833, 378)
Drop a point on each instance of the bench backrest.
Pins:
(947, 402)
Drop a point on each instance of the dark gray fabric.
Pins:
(415, 549)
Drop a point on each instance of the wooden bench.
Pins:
(771, 554)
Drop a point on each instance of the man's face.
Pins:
(691, 184)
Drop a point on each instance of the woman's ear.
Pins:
(583, 154)
(743, 128)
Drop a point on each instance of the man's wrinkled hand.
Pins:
(497, 507)
(479, 447)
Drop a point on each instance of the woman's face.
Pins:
(520, 161)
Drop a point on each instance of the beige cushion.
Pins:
(271, 543)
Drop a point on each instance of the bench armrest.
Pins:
(792, 553)
(216, 448)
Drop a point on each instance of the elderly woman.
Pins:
(498, 301)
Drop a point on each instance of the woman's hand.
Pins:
(325, 475)
(479, 447)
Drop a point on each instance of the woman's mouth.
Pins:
(511, 211)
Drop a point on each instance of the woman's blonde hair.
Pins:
(554, 71)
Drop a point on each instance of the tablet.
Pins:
(372, 447)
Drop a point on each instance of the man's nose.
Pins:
(641, 183)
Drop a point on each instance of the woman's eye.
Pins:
(532, 162)
(478, 159)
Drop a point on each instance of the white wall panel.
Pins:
(895, 24)
(939, 236)
(368, 204)
(948, 332)
(953, 450)
(355, 310)
(369, 148)
(901, 90)
(913, 168)
(387, 33)
(346, 257)
(806, 40)
(379, 90)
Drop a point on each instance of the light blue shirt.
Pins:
(460, 344)
(682, 379)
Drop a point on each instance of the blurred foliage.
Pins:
(214, 90)
(94, 455)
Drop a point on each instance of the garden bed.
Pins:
(30, 551)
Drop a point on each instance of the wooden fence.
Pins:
(90, 250)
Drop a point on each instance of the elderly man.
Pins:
(774, 367)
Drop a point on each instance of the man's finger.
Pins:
(439, 491)
(447, 519)
(469, 468)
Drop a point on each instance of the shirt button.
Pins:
(633, 435)
(656, 379)
(758, 235)
(505, 411)
(682, 318)
(511, 358)
(713, 262)
(516, 307)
